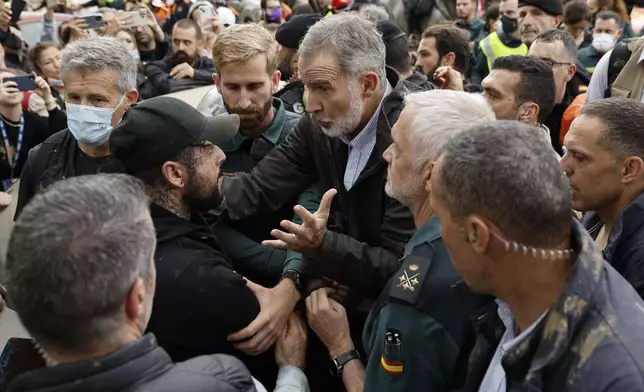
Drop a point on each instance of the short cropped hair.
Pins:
(354, 41)
(622, 119)
(94, 54)
(558, 35)
(451, 39)
(242, 43)
(505, 172)
(537, 83)
(608, 15)
(187, 24)
(575, 12)
(438, 116)
(74, 254)
(398, 54)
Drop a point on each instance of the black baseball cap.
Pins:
(157, 129)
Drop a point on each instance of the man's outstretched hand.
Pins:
(276, 305)
(307, 237)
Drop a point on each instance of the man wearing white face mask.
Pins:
(100, 85)
(605, 34)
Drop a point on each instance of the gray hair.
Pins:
(97, 54)
(374, 13)
(74, 254)
(354, 41)
(558, 35)
(506, 172)
(622, 119)
(438, 116)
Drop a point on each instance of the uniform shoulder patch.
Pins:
(409, 279)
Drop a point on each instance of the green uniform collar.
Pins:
(428, 232)
(473, 24)
(272, 134)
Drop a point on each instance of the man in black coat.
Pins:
(200, 299)
(184, 68)
(358, 235)
(82, 277)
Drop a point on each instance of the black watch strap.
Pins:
(336, 364)
(296, 277)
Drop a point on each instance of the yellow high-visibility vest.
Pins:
(493, 48)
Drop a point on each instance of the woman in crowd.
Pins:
(128, 38)
(23, 130)
(45, 60)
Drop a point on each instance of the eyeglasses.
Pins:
(552, 63)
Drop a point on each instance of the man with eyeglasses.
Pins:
(559, 49)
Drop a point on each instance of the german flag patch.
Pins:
(391, 368)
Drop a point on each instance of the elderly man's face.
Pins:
(335, 100)
(97, 89)
(534, 21)
(563, 68)
(404, 181)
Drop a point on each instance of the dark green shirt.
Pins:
(589, 57)
(414, 331)
(474, 26)
(242, 239)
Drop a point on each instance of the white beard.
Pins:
(406, 192)
(348, 122)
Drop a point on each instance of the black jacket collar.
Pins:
(131, 365)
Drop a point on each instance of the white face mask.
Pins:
(90, 125)
(603, 42)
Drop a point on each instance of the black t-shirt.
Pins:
(86, 165)
(161, 50)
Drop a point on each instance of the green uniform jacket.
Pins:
(241, 239)
(474, 27)
(415, 335)
(589, 57)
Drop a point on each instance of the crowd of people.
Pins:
(350, 204)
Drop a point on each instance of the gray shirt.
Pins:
(599, 81)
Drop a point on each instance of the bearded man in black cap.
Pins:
(537, 16)
(200, 299)
(289, 35)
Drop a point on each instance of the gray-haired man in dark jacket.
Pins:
(81, 275)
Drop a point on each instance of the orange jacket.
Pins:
(570, 115)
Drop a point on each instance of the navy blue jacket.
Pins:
(625, 250)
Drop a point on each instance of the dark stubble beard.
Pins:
(251, 117)
(201, 196)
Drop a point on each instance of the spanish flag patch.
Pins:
(391, 368)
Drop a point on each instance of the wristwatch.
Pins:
(336, 364)
(295, 277)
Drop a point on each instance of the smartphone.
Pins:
(93, 22)
(137, 17)
(52, 3)
(25, 83)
